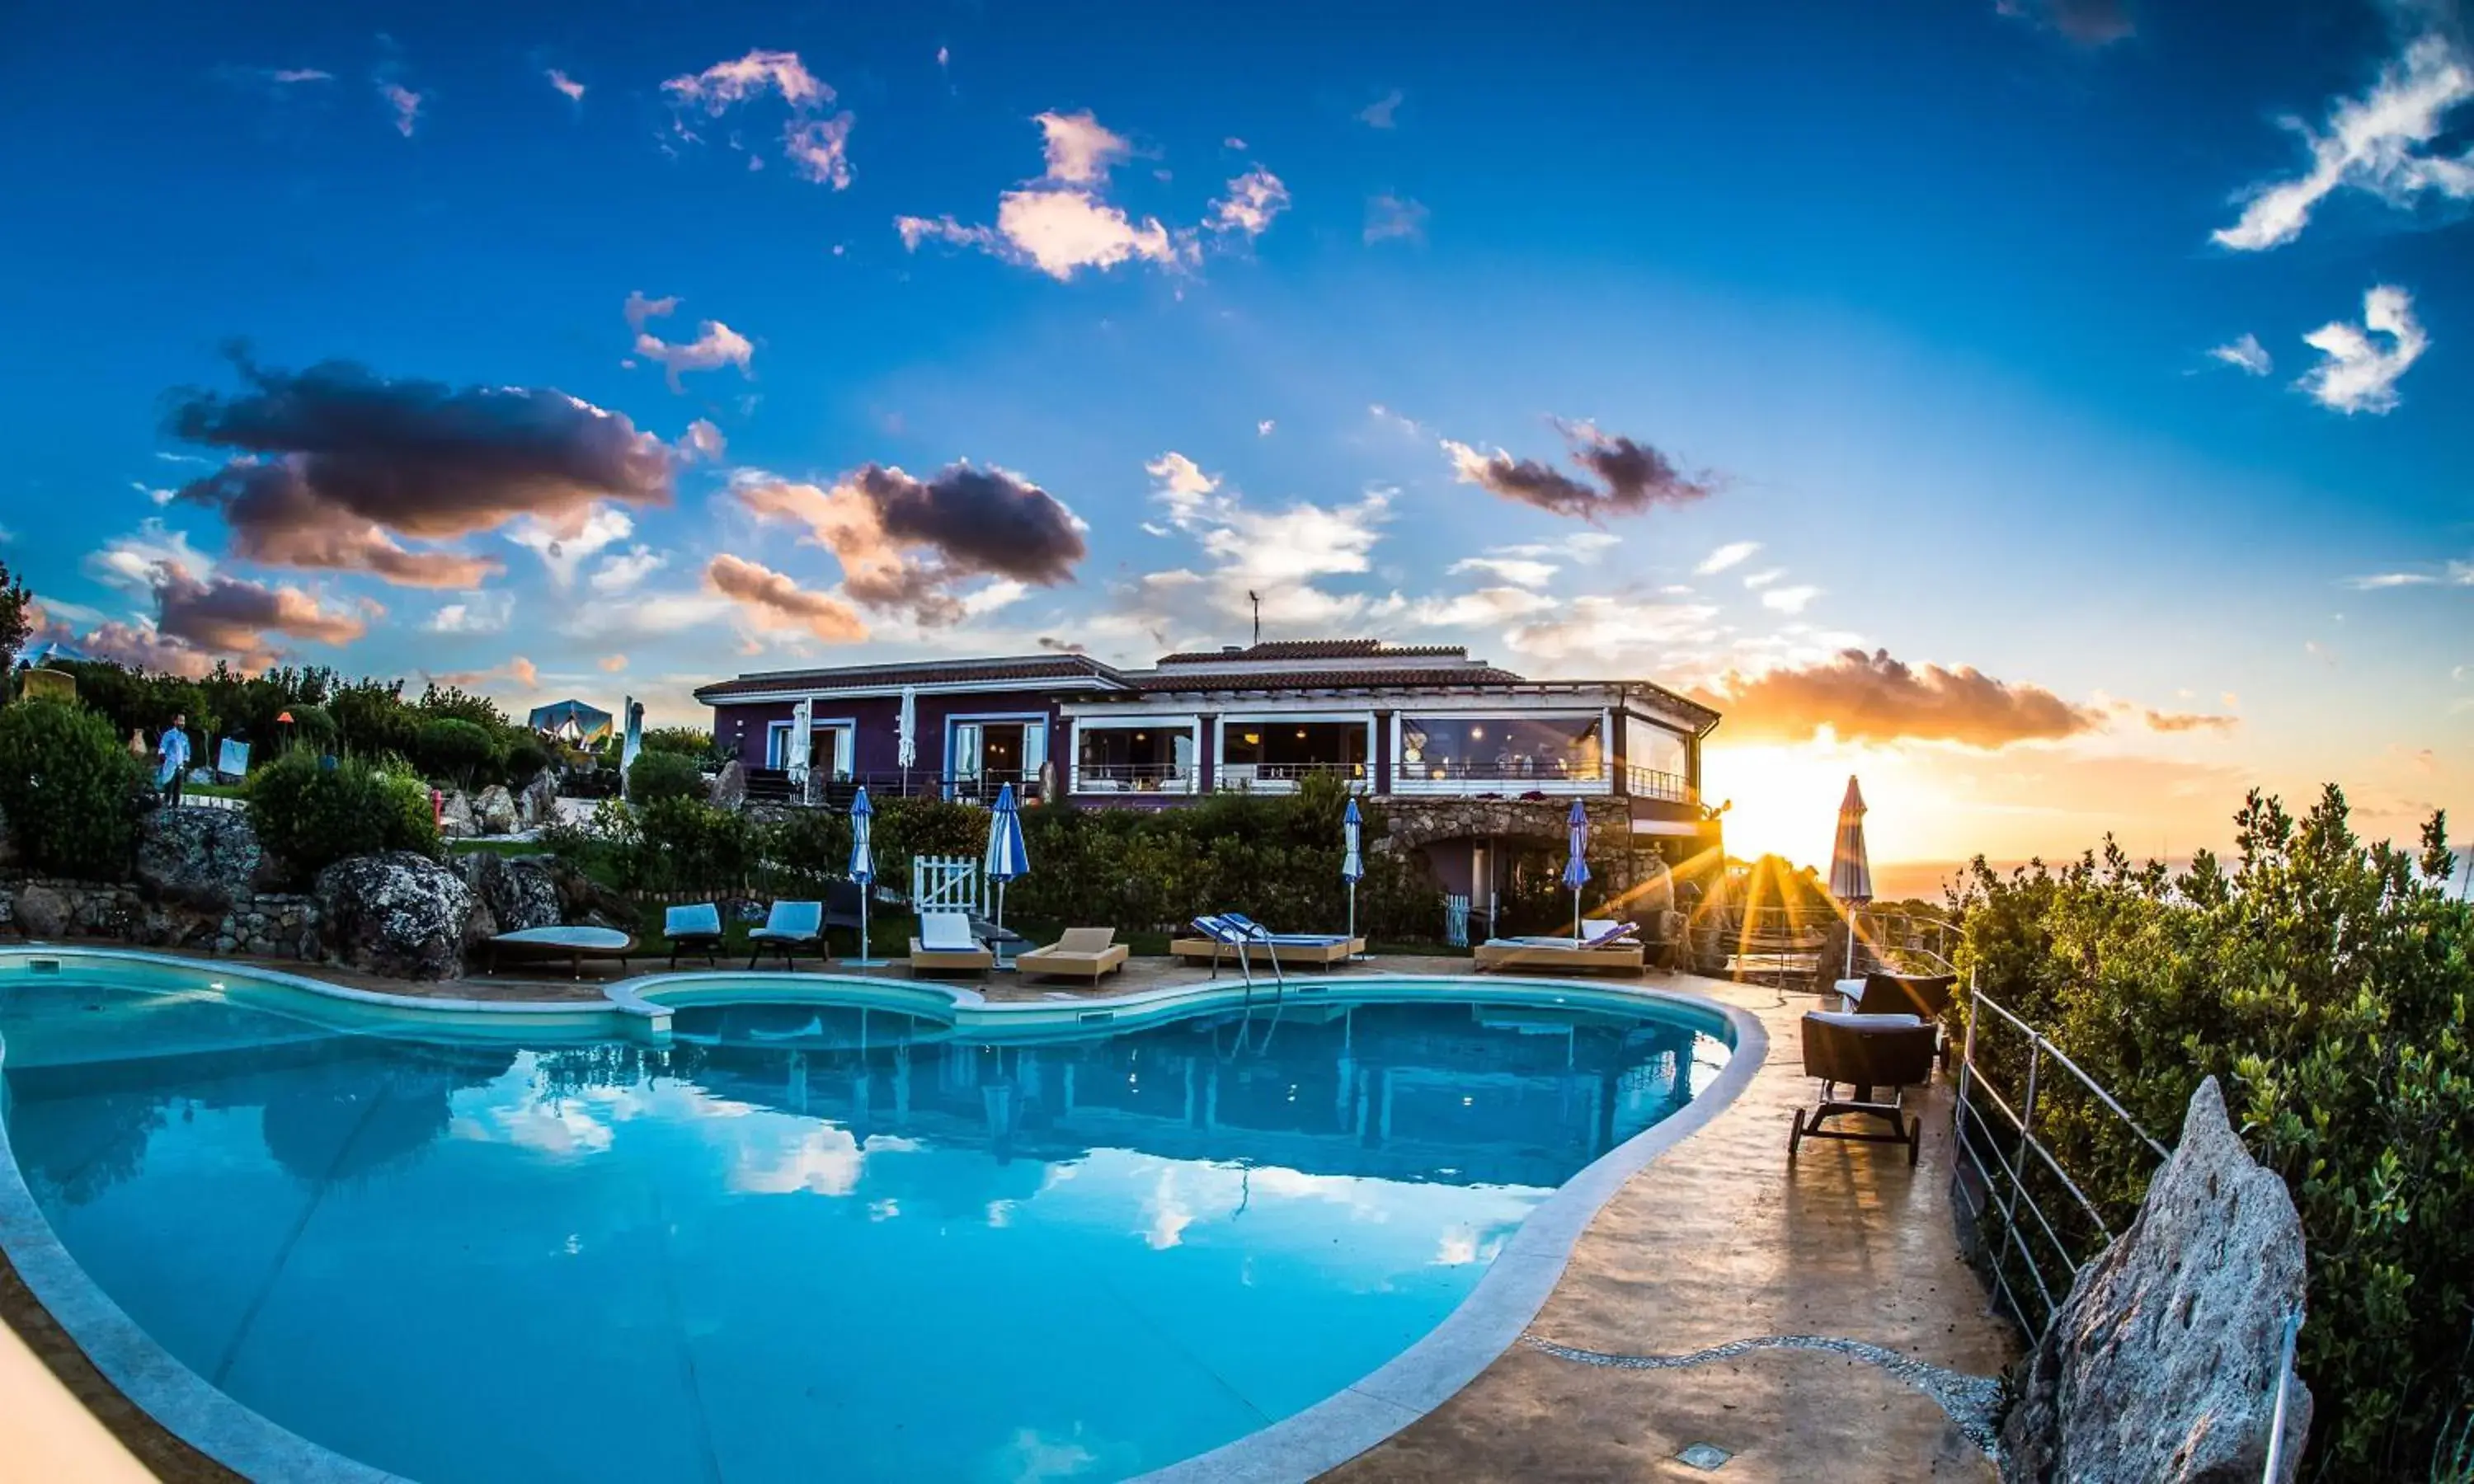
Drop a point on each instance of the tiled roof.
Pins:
(1031, 669)
(1319, 649)
(1381, 678)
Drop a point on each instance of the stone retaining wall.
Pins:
(262, 924)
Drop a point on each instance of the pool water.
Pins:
(803, 1242)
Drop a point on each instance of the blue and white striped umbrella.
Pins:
(1008, 857)
(863, 861)
(1352, 860)
(1576, 866)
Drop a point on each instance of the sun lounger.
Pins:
(1866, 1053)
(1601, 945)
(1078, 954)
(694, 928)
(575, 944)
(1234, 932)
(944, 946)
(792, 925)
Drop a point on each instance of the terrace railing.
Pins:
(772, 785)
(1510, 775)
(1134, 777)
(2033, 1221)
(1650, 783)
(1283, 777)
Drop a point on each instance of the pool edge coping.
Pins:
(1438, 1365)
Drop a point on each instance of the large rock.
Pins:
(728, 788)
(400, 914)
(202, 859)
(456, 820)
(493, 810)
(2161, 1364)
(519, 892)
(537, 801)
(40, 912)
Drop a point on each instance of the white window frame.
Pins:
(1188, 722)
(1404, 785)
(952, 775)
(1266, 719)
(777, 739)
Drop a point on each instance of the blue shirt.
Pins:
(174, 750)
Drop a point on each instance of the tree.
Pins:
(69, 788)
(16, 621)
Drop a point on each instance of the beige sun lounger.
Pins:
(944, 946)
(1609, 946)
(1078, 954)
(1321, 955)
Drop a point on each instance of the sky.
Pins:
(2051, 411)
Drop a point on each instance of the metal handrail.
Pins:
(2284, 1386)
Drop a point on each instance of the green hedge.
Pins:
(659, 777)
(69, 789)
(1274, 857)
(310, 815)
(2327, 984)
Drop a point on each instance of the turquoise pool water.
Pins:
(802, 1242)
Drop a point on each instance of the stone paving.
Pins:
(1762, 1319)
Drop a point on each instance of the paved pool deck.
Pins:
(1800, 1320)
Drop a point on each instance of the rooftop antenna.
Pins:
(1257, 599)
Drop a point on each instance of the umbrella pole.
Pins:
(1576, 917)
(862, 919)
(1352, 912)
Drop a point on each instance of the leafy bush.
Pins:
(660, 776)
(526, 757)
(686, 843)
(312, 729)
(686, 741)
(69, 789)
(455, 751)
(2327, 985)
(312, 816)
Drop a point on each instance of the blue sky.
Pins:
(1920, 300)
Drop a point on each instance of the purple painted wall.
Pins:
(741, 728)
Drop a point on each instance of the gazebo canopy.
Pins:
(573, 720)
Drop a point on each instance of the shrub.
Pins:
(686, 741)
(688, 844)
(455, 751)
(312, 816)
(526, 757)
(312, 729)
(660, 776)
(2327, 985)
(69, 789)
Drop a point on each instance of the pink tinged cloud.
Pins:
(1079, 149)
(406, 104)
(574, 90)
(816, 146)
(716, 346)
(775, 601)
(1874, 698)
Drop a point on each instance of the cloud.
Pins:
(1057, 646)
(564, 549)
(1606, 631)
(2355, 376)
(2189, 721)
(1790, 600)
(1253, 199)
(1060, 223)
(775, 600)
(232, 616)
(1636, 477)
(2087, 22)
(1378, 114)
(638, 309)
(1521, 571)
(716, 346)
(2247, 353)
(288, 75)
(2371, 143)
(1485, 607)
(1390, 218)
(2455, 574)
(1278, 553)
(612, 665)
(910, 545)
(406, 104)
(480, 612)
(517, 669)
(1081, 150)
(568, 85)
(624, 572)
(1733, 554)
(136, 645)
(1183, 487)
(1874, 698)
(817, 145)
(704, 440)
(1262, 429)
(335, 464)
(132, 563)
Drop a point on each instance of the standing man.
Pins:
(172, 751)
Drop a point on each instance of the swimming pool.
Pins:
(807, 1240)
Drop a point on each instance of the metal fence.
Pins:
(2034, 1223)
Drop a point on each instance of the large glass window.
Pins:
(1267, 750)
(1657, 759)
(1507, 749)
(1133, 757)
